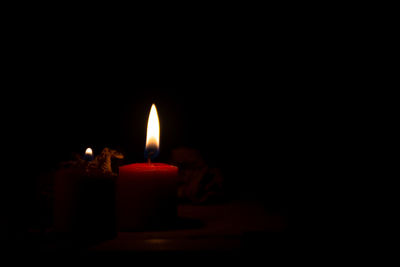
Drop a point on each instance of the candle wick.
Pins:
(149, 160)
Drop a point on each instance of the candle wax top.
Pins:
(149, 167)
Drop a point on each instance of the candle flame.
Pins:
(89, 152)
(153, 131)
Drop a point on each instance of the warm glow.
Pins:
(89, 152)
(153, 129)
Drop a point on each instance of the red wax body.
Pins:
(146, 196)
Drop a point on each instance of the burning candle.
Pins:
(147, 192)
(88, 154)
(84, 200)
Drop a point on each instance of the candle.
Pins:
(147, 192)
(66, 195)
(88, 154)
(84, 200)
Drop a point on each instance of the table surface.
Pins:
(218, 228)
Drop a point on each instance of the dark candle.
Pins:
(84, 201)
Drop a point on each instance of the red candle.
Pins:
(146, 196)
(147, 192)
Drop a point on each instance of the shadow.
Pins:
(188, 223)
(178, 223)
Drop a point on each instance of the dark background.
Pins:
(254, 135)
(245, 98)
(251, 114)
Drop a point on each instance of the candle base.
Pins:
(147, 211)
(151, 220)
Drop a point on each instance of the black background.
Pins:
(253, 122)
(251, 134)
(251, 96)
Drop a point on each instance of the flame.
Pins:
(89, 152)
(153, 130)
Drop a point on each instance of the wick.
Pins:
(148, 160)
